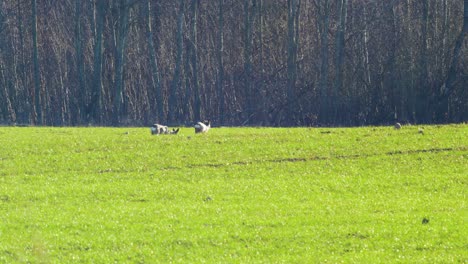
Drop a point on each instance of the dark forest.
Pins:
(248, 62)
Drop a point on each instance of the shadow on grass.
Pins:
(305, 159)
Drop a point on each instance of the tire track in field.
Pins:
(353, 156)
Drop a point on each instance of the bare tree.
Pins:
(81, 90)
(37, 81)
(293, 35)
(422, 109)
(249, 13)
(94, 111)
(194, 61)
(154, 63)
(220, 61)
(20, 89)
(7, 108)
(124, 10)
(173, 105)
(449, 84)
(339, 53)
(324, 14)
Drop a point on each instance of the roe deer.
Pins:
(174, 131)
(159, 129)
(202, 127)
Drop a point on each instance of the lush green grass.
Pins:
(235, 195)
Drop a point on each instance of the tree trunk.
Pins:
(449, 85)
(324, 96)
(26, 92)
(154, 65)
(390, 76)
(95, 106)
(79, 102)
(5, 97)
(451, 76)
(37, 84)
(7, 106)
(370, 107)
(248, 17)
(422, 110)
(220, 60)
(194, 60)
(339, 55)
(292, 57)
(445, 28)
(408, 88)
(173, 106)
(366, 50)
(187, 105)
(124, 9)
(263, 100)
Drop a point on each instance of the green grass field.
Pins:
(234, 195)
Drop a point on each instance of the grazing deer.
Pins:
(202, 127)
(174, 131)
(159, 129)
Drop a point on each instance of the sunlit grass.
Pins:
(288, 195)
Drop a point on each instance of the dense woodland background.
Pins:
(236, 62)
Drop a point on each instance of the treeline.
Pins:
(249, 62)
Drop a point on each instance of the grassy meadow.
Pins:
(234, 195)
